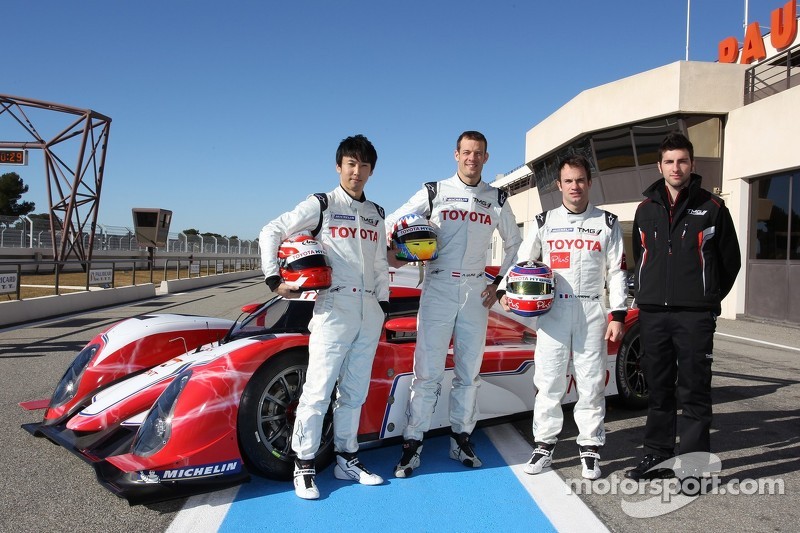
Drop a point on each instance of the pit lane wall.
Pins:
(24, 311)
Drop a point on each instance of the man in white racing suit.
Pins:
(348, 316)
(583, 246)
(455, 300)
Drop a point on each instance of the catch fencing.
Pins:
(28, 232)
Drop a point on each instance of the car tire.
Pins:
(631, 383)
(266, 417)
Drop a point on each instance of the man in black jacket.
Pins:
(687, 258)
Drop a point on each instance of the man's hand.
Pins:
(614, 331)
(504, 303)
(489, 295)
(287, 291)
(393, 261)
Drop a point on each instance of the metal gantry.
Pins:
(73, 190)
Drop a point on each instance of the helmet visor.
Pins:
(530, 287)
(305, 260)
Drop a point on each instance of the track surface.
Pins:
(756, 435)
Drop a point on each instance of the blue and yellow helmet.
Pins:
(414, 238)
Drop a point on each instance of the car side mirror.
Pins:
(250, 308)
(405, 324)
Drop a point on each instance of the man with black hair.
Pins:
(348, 317)
(455, 301)
(687, 259)
(583, 246)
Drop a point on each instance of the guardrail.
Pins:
(23, 279)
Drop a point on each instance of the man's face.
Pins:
(676, 167)
(574, 185)
(353, 175)
(471, 156)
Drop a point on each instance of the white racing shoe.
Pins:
(349, 467)
(305, 485)
(541, 458)
(590, 461)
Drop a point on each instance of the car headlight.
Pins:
(68, 385)
(157, 426)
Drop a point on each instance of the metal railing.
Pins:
(771, 77)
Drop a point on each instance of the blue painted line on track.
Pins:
(441, 496)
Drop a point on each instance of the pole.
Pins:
(688, 11)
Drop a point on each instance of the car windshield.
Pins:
(276, 316)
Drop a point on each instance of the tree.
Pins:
(190, 231)
(11, 190)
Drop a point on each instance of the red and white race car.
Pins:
(165, 405)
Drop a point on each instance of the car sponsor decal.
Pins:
(213, 469)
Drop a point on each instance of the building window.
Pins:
(647, 138)
(776, 210)
(614, 149)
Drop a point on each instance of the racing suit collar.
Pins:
(350, 199)
(581, 215)
(570, 212)
(465, 184)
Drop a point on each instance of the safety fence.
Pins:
(29, 232)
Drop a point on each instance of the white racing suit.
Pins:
(585, 252)
(347, 319)
(451, 305)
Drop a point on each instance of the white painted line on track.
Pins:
(566, 511)
(204, 512)
(758, 341)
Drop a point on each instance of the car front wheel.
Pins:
(267, 414)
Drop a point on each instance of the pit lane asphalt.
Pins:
(756, 430)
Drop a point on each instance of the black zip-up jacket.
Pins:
(687, 258)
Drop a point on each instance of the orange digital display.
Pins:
(13, 157)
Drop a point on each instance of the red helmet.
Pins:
(303, 263)
(529, 288)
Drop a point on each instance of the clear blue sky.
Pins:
(229, 112)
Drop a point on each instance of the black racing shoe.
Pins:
(541, 458)
(305, 485)
(410, 458)
(461, 450)
(646, 469)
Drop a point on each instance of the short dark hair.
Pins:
(575, 160)
(472, 135)
(676, 141)
(357, 147)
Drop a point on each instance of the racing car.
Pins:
(166, 405)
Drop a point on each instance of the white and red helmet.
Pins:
(530, 287)
(414, 238)
(303, 263)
